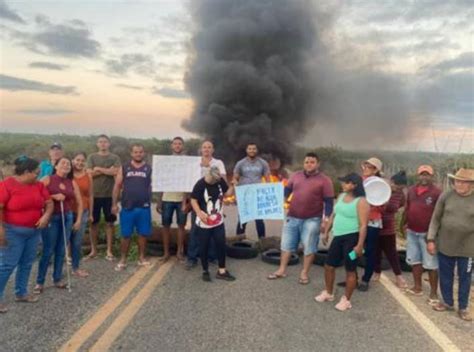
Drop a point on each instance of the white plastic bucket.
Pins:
(377, 190)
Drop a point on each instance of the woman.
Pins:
(207, 200)
(349, 225)
(64, 192)
(386, 242)
(25, 209)
(84, 182)
(451, 234)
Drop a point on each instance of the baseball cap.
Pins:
(375, 162)
(425, 168)
(56, 145)
(351, 178)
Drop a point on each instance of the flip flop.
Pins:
(109, 258)
(3, 308)
(144, 263)
(90, 257)
(303, 281)
(276, 276)
(27, 299)
(120, 267)
(38, 289)
(414, 293)
(80, 273)
(61, 285)
(433, 301)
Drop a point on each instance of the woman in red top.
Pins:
(25, 208)
(64, 192)
(84, 182)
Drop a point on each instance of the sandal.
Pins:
(276, 276)
(120, 267)
(80, 273)
(164, 259)
(38, 289)
(432, 301)
(110, 258)
(90, 257)
(27, 299)
(303, 281)
(464, 314)
(442, 307)
(61, 285)
(3, 308)
(412, 292)
(144, 263)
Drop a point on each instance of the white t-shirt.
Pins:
(214, 162)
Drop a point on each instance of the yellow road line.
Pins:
(88, 329)
(430, 328)
(126, 316)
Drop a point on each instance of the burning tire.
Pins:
(241, 250)
(272, 256)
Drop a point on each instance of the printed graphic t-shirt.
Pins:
(210, 200)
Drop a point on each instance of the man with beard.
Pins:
(134, 182)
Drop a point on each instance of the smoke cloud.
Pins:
(261, 71)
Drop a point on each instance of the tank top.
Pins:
(346, 220)
(136, 186)
(84, 184)
(64, 186)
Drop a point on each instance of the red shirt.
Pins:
(309, 192)
(23, 203)
(397, 200)
(420, 208)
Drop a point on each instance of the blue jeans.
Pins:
(370, 246)
(446, 278)
(76, 241)
(193, 244)
(53, 243)
(20, 253)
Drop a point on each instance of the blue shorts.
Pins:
(138, 219)
(305, 231)
(167, 211)
(417, 252)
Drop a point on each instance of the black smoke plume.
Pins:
(249, 75)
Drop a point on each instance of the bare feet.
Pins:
(376, 277)
(400, 282)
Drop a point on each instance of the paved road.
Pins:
(250, 314)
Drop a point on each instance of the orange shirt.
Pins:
(84, 184)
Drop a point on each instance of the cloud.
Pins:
(463, 61)
(129, 86)
(169, 92)
(45, 111)
(140, 64)
(70, 39)
(47, 66)
(19, 84)
(9, 14)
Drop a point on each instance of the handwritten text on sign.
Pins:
(175, 173)
(260, 201)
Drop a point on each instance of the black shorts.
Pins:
(339, 251)
(103, 205)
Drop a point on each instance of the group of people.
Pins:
(54, 201)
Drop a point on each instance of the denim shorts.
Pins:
(305, 231)
(138, 219)
(417, 252)
(167, 211)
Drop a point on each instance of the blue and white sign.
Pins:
(260, 201)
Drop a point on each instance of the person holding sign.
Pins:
(313, 194)
(349, 227)
(168, 204)
(207, 200)
(248, 171)
(134, 182)
(207, 161)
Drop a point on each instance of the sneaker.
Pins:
(225, 276)
(324, 296)
(363, 286)
(206, 277)
(343, 305)
(190, 265)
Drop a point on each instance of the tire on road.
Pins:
(241, 250)
(402, 254)
(272, 256)
(321, 256)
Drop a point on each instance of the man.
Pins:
(207, 161)
(134, 182)
(170, 203)
(103, 167)
(421, 201)
(47, 166)
(313, 194)
(248, 171)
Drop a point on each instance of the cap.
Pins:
(425, 168)
(56, 145)
(375, 162)
(351, 178)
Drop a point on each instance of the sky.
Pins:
(117, 67)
